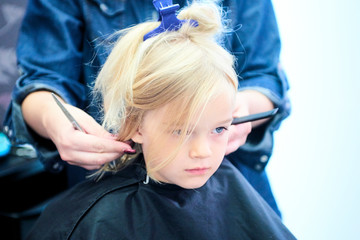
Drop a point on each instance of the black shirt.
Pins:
(122, 206)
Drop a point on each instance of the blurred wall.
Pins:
(315, 167)
(11, 14)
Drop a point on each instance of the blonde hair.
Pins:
(187, 66)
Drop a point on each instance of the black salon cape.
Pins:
(121, 206)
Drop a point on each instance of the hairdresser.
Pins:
(61, 48)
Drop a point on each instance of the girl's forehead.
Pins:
(167, 114)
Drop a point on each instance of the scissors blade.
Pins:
(67, 114)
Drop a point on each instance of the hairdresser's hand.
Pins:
(247, 102)
(89, 150)
(239, 132)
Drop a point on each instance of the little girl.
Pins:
(171, 91)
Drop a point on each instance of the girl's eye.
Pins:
(176, 132)
(219, 130)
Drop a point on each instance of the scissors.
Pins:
(67, 114)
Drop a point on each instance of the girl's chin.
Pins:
(193, 184)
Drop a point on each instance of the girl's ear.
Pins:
(137, 137)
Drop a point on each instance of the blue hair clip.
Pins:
(167, 16)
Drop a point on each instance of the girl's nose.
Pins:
(200, 147)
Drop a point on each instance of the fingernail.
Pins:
(129, 151)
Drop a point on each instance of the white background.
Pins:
(315, 169)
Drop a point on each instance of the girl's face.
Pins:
(200, 155)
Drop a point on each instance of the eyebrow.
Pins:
(226, 121)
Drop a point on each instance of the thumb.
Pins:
(89, 124)
(94, 128)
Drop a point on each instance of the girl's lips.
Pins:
(197, 171)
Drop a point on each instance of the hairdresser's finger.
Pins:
(94, 128)
(89, 125)
(91, 143)
(81, 145)
(86, 166)
(238, 136)
(92, 161)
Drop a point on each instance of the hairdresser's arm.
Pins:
(89, 150)
(256, 44)
(50, 59)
